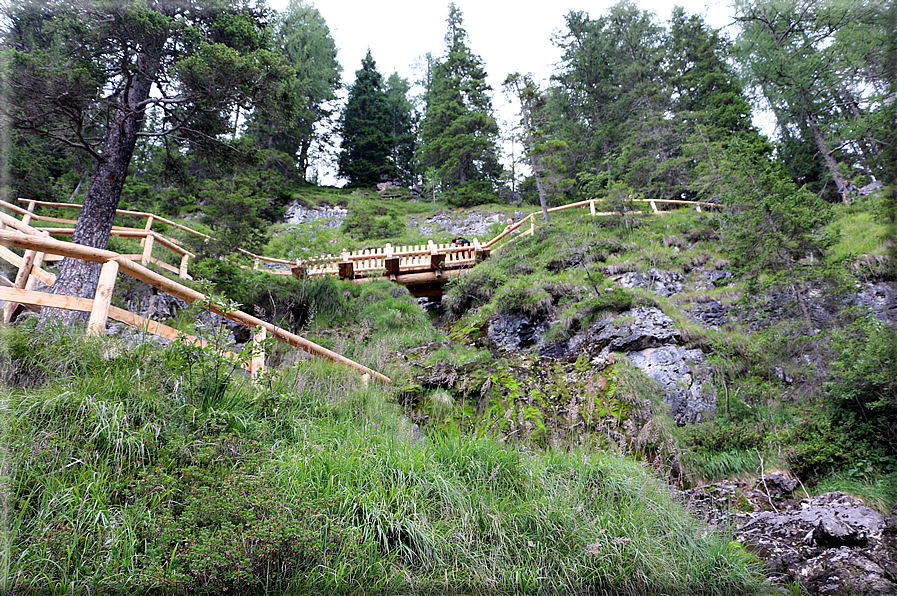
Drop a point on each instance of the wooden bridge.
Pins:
(425, 269)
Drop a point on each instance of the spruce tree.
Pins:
(404, 122)
(366, 127)
(459, 132)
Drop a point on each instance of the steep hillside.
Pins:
(539, 416)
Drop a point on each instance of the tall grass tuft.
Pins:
(313, 481)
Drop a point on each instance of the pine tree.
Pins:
(459, 132)
(404, 124)
(366, 127)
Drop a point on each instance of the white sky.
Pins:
(508, 37)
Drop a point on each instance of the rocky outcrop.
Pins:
(512, 332)
(300, 214)
(675, 370)
(469, 224)
(664, 283)
(830, 544)
(881, 297)
(650, 340)
(712, 313)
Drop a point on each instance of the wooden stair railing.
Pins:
(100, 309)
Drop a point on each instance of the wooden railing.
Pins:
(590, 203)
(37, 243)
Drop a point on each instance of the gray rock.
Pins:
(881, 297)
(512, 332)
(870, 188)
(831, 544)
(469, 224)
(299, 214)
(162, 306)
(649, 338)
(684, 387)
(664, 283)
(711, 313)
(777, 485)
(718, 277)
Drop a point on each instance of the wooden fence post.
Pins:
(96, 325)
(592, 207)
(654, 206)
(182, 270)
(38, 261)
(26, 218)
(149, 224)
(147, 250)
(21, 280)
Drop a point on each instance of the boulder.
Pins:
(512, 332)
(712, 314)
(664, 283)
(684, 388)
(650, 340)
(830, 544)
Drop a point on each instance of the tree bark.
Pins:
(822, 143)
(76, 277)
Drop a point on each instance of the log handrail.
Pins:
(97, 255)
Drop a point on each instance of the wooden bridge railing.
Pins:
(590, 203)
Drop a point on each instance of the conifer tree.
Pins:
(404, 123)
(302, 35)
(459, 132)
(366, 127)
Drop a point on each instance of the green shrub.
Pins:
(373, 220)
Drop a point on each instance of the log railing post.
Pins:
(38, 261)
(147, 227)
(147, 255)
(96, 325)
(182, 270)
(26, 218)
(592, 207)
(21, 280)
(654, 206)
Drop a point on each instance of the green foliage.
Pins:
(304, 39)
(366, 129)
(370, 220)
(239, 210)
(862, 391)
(775, 230)
(309, 472)
(458, 132)
(281, 299)
(404, 128)
(474, 289)
(522, 297)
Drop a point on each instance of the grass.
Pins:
(879, 492)
(121, 478)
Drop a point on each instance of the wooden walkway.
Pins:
(425, 269)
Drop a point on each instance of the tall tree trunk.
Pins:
(822, 143)
(533, 158)
(77, 277)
